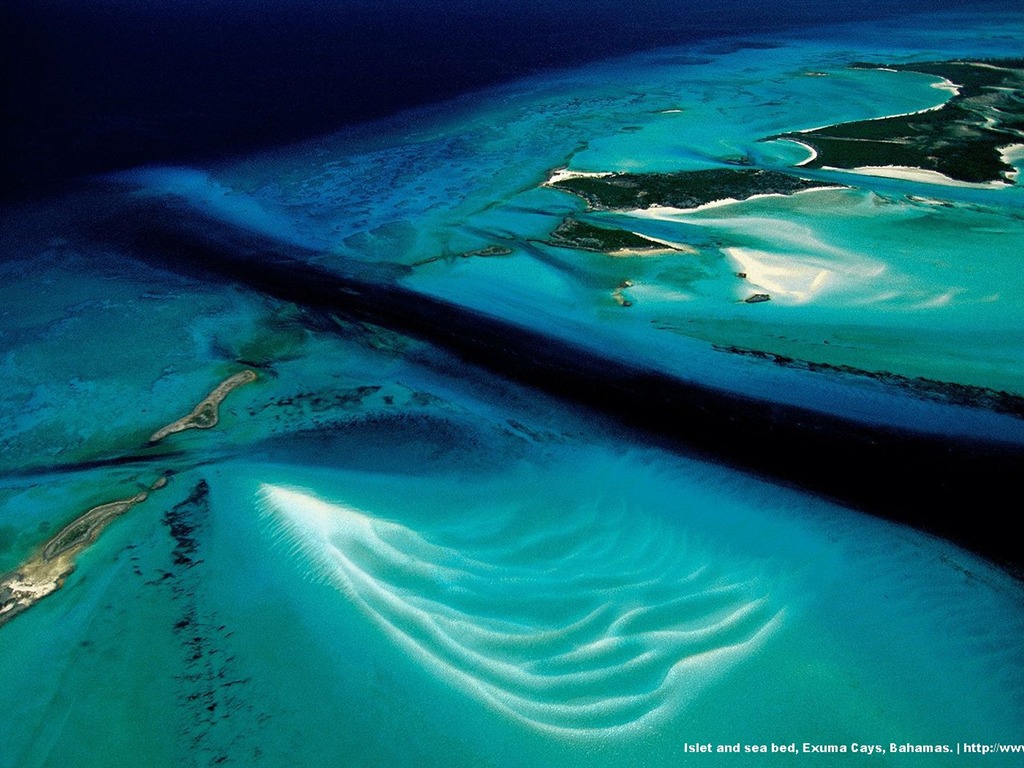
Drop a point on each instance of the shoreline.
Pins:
(808, 147)
(206, 414)
(666, 212)
(944, 84)
(1011, 155)
(669, 248)
(962, 138)
(786, 443)
(919, 175)
(45, 572)
(564, 174)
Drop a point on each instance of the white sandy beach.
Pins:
(1012, 155)
(564, 174)
(921, 175)
(813, 152)
(670, 246)
(948, 85)
(666, 212)
(943, 85)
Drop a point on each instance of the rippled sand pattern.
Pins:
(596, 624)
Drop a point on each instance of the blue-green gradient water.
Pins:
(888, 275)
(381, 557)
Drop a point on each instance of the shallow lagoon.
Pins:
(401, 560)
(587, 603)
(891, 275)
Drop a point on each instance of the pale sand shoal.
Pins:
(644, 252)
(794, 281)
(1012, 155)
(921, 175)
(666, 212)
(564, 174)
(670, 247)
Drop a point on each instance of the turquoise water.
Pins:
(399, 560)
(586, 604)
(888, 276)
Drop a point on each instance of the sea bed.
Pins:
(234, 615)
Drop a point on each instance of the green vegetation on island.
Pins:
(684, 189)
(961, 139)
(573, 233)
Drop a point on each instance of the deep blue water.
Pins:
(474, 510)
(95, 86)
